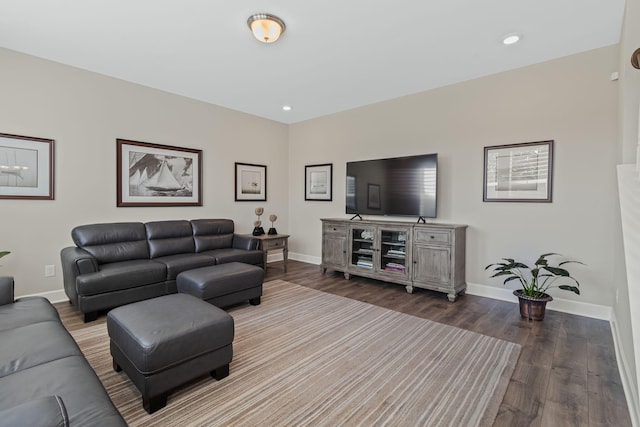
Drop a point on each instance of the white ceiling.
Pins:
(335, 54)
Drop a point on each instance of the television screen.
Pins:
(395, 186)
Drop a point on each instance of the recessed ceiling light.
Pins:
(510, 39)
(287, 107)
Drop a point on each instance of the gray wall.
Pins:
(84, 113)
(570, 100)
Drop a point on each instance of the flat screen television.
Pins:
(403, 186)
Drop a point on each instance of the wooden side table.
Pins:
(273, 242)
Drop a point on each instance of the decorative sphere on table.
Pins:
(272, 218)
(257, 229)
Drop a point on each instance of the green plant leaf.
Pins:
(3, 253)
(502, 273)
(548, 254)
(520, 265)
(557, 271)
(510, 279)
(571, 262)
(570, 288)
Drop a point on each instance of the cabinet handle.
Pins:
(432, 237)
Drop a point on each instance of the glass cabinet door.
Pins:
(362, 247)
(393, 251)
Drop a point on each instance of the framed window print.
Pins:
(318, 182)
(373, 196)
(250, 182)
(518, 172)
(158, 175)
(26, 167)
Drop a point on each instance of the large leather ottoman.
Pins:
(167, 341)
(224, 284)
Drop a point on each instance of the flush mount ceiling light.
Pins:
(287, 108)
(266, 28)
(510, 39)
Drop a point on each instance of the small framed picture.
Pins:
(158, 175)
(251, 182)
(518, 172)
(318, 182)
(26, 167)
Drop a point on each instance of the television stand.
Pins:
(355, 216)
(429, 256)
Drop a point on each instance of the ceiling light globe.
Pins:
(266, 28)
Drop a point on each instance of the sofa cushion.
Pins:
(121, 275)
(169, 238)
(71, 378)
(33, 345)
(112, 242)
(176, 264)
(43, 412)
(26, 311)
(210, 234)
(223, 256)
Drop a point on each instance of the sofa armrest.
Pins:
(244, 242)
(6, 290)
(75, 262)
(44, 412)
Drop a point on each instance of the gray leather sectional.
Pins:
(114, 264)
(44, 378)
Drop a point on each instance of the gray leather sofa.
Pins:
(44, 378)
(114, 264)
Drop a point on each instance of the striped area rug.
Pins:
(306, 357)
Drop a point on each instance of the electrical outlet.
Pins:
(49, 270)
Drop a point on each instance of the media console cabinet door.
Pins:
(334, 246)
(432, 265)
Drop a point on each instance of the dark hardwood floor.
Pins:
(566, 375)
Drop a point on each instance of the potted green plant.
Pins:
(536, 281)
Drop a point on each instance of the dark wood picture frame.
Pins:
(518, 172)
(318, 182)
(250, 182)
(26, 167)
(157, 175)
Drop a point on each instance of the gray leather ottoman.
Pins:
(167, 341)
(224, 284)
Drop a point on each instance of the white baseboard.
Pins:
(630, 391)
(595, 311)
(305, 258)
(52, 296)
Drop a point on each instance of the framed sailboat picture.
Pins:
(158, 175)
(26, 167)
